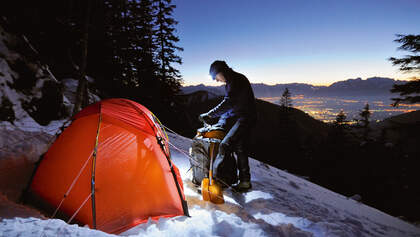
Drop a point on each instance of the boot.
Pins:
(243, 186)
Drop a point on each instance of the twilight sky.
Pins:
(285, 41)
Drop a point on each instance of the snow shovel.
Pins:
(210, 189)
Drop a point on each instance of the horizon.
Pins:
(278, 42)
(221, 84)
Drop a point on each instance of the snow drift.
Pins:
(280, 204)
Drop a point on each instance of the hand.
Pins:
(219, 125)
(205, 118)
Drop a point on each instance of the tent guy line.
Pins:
(120, 132)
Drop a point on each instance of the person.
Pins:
(238, 105)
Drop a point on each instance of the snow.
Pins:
(70, 90)
(203, 222)
(279, 204)
(36, 227)
(23, 120)
(29, 125)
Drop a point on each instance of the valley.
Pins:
(327, 108)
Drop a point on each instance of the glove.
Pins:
(205, 118)
(219, 126)
(221, 123)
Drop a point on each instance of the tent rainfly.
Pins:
(111, 169)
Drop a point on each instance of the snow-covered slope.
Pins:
(280, 204)
(33, 107)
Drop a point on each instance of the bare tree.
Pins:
(81, 94)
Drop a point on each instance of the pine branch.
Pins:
(409, 42)
(407, 63)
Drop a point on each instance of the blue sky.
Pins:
(284, 41)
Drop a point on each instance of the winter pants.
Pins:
(236, 141)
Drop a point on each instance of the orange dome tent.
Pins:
(110, 169)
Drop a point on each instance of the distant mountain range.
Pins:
(373, 86)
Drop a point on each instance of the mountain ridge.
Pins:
(350, 87)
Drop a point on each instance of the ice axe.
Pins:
(210, 189)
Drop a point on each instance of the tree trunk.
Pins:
(81, 94)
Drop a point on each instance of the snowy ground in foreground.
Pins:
(279, 204)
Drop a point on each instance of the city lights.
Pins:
(327, 108)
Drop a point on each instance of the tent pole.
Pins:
(95, 151)
(183, 202)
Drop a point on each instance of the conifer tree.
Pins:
(166, 48)
(141, 34)
(132, 44)
(410, 91)
(146, 63)
(340, 118)
(365, 114)
(286, 98)
(132, 35)
(118, 37)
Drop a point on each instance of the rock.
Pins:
(9, 209)
(356, 197)
(70, 88)
(19, 152)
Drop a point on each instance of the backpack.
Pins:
(200, 157)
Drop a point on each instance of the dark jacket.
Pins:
(239, 100)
